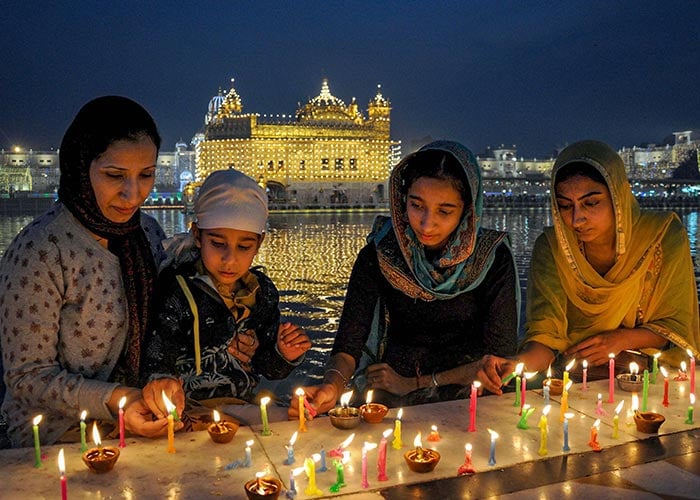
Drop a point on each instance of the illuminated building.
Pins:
(327, 153)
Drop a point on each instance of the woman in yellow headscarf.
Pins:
(607, 277)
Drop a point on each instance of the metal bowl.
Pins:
(345, 418)
(630, 383)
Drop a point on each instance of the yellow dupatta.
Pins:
(651, 285)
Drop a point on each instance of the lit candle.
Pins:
(37, 445)
(665, 375)
(83, 426)
(567, 417)
(543, 430)
(263, 414)
(593, 442)
(419, 446)
(339, 452)
(682, 373)
(585, 375)
(567, 369)
(345, 399)
(634, 371)
(248, 460)
(492, 452)
(122, 402)
(472, 405)
(689, 415)
(381, 459)
(397, 444)
(365, 448)
(526, 412)
(290, 449)
(599, 406)
(526, 377)
(645, 389)
(692, 371)
(466, 467)
(634, 407)
(302, 397)
(62, 471)
(171, 423)
(545, 391)
(655, 367)
(611, 378)
(616, 420)
(434, 434)
(339, 473)
(564, 405)
(310, 469)
(518, 371)
(292, 491)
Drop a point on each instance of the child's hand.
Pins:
(292, 341)
(243, 347)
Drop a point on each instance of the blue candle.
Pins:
(248, 460)
(545, 392)
(567, 416)
(492, 453)
(290, 450)
(323, 467)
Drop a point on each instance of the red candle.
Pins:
(122, 402)
(665, 375)
(472, 406)
(466, 467)
(381, 460)
(611, 378)
(62, 470)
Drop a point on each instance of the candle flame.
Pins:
(122, 402)
(545, 410)
(347, 442)
(570, 365)
(634, 368)
(169, 406)
(663, 371)
(526, 407)
(96, 435)
(493, 434)
(618, 408)
(83, 415)
(635, 401)
(433, 428)
(585, 364)
(600, 396)
(417, 441)
(61, 463)
(316, 457)
(692, 399)
(568, 415)
(690, 353)
(568, 385)
(657, 355)
(476, 384)
(596, 424)
(611, 355)
(297, 471)
(519, 368)
(345, 399)
(387, 433)
(346, 457)
(299, 392)
(217, 417)
(370, 393)
(249, 443)
(264, 401)
(549, 372)
(37, 420)
(399, 414)
(258, 475)
(529, 375)
(468, 447)
(369, 446)
(294, 438)
(683, 366)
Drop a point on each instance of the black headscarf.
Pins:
(97, 125)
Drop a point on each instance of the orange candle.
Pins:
(171, 423)
(302, 420)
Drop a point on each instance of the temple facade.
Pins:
(328, 153)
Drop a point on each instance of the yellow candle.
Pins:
(263, 415)
(564, 401)
(310, 468)
(543, 430)
(397, 444)
(171, 423)
(616, 420)
(566, 372)
(302, 420)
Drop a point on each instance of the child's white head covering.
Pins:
(231, 199)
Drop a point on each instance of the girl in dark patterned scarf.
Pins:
(433, 294)
(76, 283)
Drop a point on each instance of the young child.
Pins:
(216, 322)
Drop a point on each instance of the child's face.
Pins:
(227, 253)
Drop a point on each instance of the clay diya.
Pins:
(421, 459)
(101, 459)
(344, 417)
(648, 422)
(263, 488)
(221, 432)
(630, 382)
(373, 413)
(556, 386)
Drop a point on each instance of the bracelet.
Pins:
(335, 370)
(434, 379)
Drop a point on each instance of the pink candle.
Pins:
(611, 378)
(472, 406)
(523, 389)
(585, 375)
(665, 375)
(381, 460)
(122, 402)
(62, 470)
(692, 371)
(367, 446)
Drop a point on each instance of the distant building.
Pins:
(327, 153)
(504, 162)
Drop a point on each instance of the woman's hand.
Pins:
(243, 346)
(596, 349)
(138, 419)
(322, 397)
(292, 341)
(152, 395)
(382, 376)
(490, 371)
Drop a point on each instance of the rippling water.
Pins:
(309, 256)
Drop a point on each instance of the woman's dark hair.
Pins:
(435, 164)
(578, 168)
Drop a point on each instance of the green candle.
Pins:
(37, 446)
(263, 415)
(83, 442)
(527, 411)
(339, 477)
(655, 367)
(645, 390)
(689, 415)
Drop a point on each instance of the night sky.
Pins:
(534, 74)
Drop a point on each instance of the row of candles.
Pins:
(525, 411)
